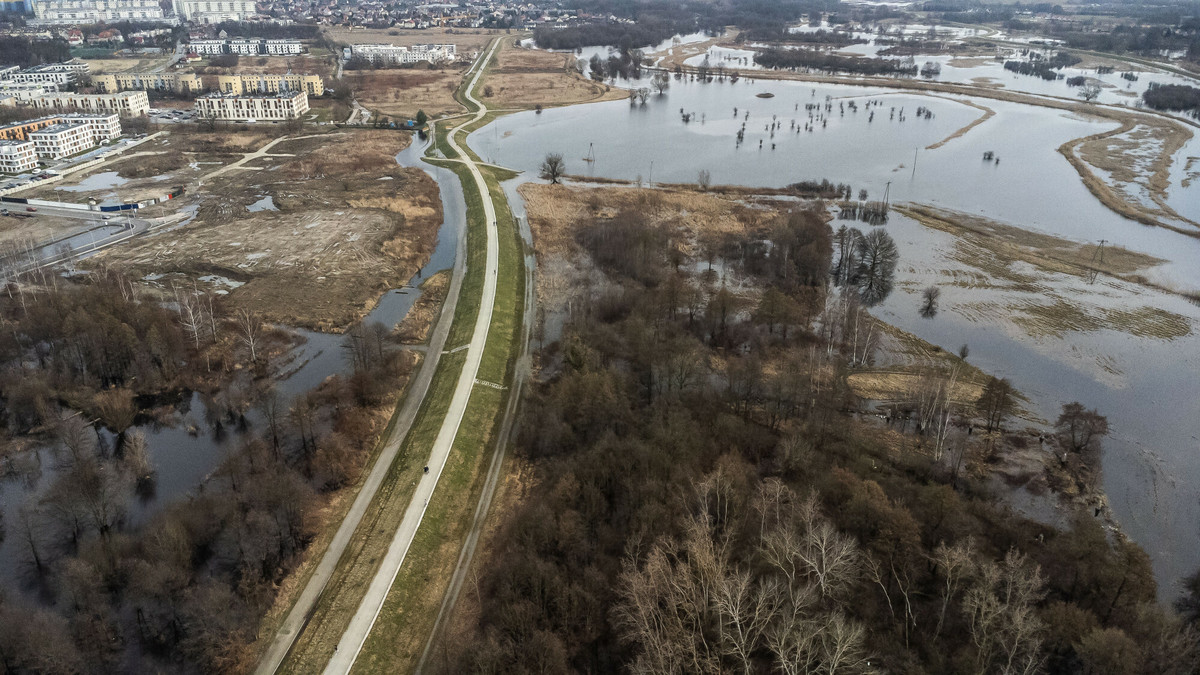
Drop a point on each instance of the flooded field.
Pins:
(1126, 349)
(185, 451)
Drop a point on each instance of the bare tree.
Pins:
(1003, 620)
(954, 563)
(250, 330)
(703, 179)
(553, 168)
(661, 82)
(1079, 427)
(1090, 91)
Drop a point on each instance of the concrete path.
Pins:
(300, 613)
(368, 610)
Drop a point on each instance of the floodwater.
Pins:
(1146, 386)
(100, 181)
(185, 453)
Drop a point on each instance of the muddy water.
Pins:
(184, 454)
(1146, 386)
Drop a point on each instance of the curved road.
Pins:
(368, 610)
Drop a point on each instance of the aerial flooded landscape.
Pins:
(600, 336)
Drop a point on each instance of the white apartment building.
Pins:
(247, 47)
(63, 140)
(49, 12)
(283, 47)
(25, 92)
(17, 156)
(58, 74)
(257, 107)
(207, 47)
(124, 103)
(393, 54)
(214, 11)
(104, 127)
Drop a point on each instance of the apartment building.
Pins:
(104, 127)
(58, 74)
(256, 107)
(17, 156)
(395, 54)
(214, 11)
(282, 47)
(247, 47)
(180, 83)
(270, 84)
(25, 92)
(124, 103)
(20, 131)
(54, 12)
(63, 140)
(207, 47)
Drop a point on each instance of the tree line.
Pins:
(803, 59)
(704, 503)
(26, 52)
(1178, 97)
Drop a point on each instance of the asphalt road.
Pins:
(368, 610)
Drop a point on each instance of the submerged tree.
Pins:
(553, 168)
(997, 402)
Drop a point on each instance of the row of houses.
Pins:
(53, 137)
(246, 47)
(387, 54)
(191, 83)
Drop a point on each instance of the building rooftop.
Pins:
(60, 127)
(5, 144)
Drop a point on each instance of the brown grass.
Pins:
(401, 92)
(987, 115)
(419, 320)
(467, 39)
(1006, 242)
(527, 78)
(340, 238)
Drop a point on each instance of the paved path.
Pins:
(299, 615)
(368, 610)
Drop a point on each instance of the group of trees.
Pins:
(703, 505)
(1177, 97)
(25, 52)
(83, 364)
(625, 64)
(825, 62)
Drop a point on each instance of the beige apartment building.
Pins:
(125, 103)
(179, 83)
(270, 84)
(252, 107)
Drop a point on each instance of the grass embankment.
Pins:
(410, 610)
(412, 604)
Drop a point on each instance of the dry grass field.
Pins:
(525, 78)
(310, 234)
(468, 40)
(401, 92)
